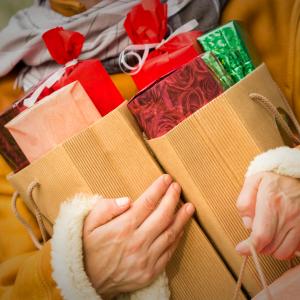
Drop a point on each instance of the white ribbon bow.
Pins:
(48, 83)
(131, 50)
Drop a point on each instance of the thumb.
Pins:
(246, 202)
(104, 211)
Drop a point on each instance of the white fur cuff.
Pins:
(283, 160)
(67, 256)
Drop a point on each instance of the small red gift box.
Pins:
(147, 26)
(169, 101)
(171, 55)
(65, 46)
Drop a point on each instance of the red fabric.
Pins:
(166, 103)
(63, 45)
(174, 53)
(147, 23)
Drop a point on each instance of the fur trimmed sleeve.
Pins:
(283, 160)
(67, 256)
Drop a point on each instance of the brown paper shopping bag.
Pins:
(208, 154)
(110, 158)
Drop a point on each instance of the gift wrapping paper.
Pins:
(173, 98)
(176, 52)
(9, 149)
(51, 121)
(215, 65)
(227, 43)
(64, 47)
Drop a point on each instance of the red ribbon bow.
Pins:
(147, 22)
(63, 45)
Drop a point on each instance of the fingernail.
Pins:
(247, 222)
(190, 209)
(167, 178)
(241, 248)
(122, 201)
(176, 187)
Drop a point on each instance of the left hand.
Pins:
(270, 206)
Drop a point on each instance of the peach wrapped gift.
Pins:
(51, 121)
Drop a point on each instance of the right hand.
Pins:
(127, 245)
(269, 204)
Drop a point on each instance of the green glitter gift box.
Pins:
(215, 65)
(227, 43)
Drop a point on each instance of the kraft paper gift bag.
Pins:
(110, 158)
(208, 154)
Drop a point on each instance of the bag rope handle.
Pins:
(33, 185)
(272, 110)
(26, 225)
(259, 270)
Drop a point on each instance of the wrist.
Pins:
(283, 161)
(67, 250)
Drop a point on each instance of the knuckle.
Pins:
(149, 204)
(242, 206)
(136, 247)
(169, 254)
(166, 217)
(142, 264)
(148, 276)
(260, 239)
(170, 236)
(125, 230)
(282, 255)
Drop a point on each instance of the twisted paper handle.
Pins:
(34, 185)
(259, 271)
(273, 111)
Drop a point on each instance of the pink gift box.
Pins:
(52, 120)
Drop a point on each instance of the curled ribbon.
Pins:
(131, 50)
(48, 83)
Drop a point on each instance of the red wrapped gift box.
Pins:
(65, 46)
(169, 101)
(171, 55)
(147, 25)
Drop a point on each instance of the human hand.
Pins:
(270, 206)
(285, 287)
(126, 246)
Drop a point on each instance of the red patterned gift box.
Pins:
(9, 149)
(173, 98)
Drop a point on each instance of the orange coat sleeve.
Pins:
(273, 26)
(25, 273)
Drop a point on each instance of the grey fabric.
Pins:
(206, 12)
(102, 25)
